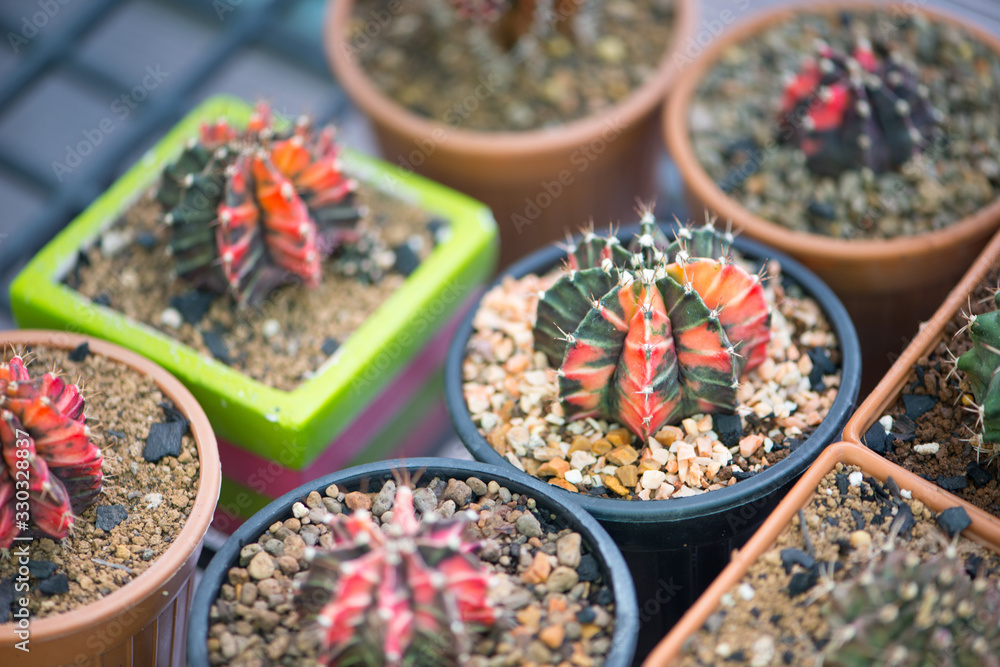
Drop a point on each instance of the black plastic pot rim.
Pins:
(613, 564)
(611, 510)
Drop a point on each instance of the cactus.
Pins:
(402, 594)
(980, 365)
(904, 612)
(866, 110)
(252, 210)
(653, 334)
(47, 454)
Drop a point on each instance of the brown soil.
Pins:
(948, 423)
(139, 283)
(793, 630)
(419, 55)
(120, 406)
(255, 622)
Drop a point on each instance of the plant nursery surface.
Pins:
(779, 611)
(932, 429)
(735, 129)
(451, 70)
(280, 343)
(553, 602)
(143, 504)
(512, 394)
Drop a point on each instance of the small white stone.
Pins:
(855, 478)
(727, 600)
(152, 500)
(580, 459)
(652, 479)
(906, 493)
(270, 328)
(927, 448)
(746, 591)
(573, 476)
(488, 422)
(886, 423)
(299, 510)
(171, 317)
(112, 243)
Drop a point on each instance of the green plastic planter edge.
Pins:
(294, 427)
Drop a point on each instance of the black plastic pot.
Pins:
(676, 547)
(374, 475)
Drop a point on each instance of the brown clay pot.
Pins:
(982, 530)
(889, 388)
(142, 624)
(539, 183)
(888, 286)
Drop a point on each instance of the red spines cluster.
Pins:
(399, 589)
(49, 462)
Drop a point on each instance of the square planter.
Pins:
(291, 429)
(982, 530)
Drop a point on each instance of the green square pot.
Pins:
(292, 427)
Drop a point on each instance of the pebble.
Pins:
(927, 448)
(527, 524)
(171, 317)
(261, 566)
(611, 50)
(861, 539)
(112, 242)
(553, 636)
(568, 549)
(855, 478)
(299, 511)
(355, 500)
(652, 479)
(458, 491)
(270, 328)
(746, 591)
(383, 501)
(424, 500)
(478, 486)
(562, 579)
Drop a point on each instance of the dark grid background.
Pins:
(65, 80)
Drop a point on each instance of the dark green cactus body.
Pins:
(981, 364)
(905, 612)
(652, 334)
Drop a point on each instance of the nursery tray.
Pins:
(290, 427)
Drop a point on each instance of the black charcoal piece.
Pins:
(146, 239)
(329, 346)
(954, 520)
(588, 570)
(192, 305)
(978, 474)
(952, 483)
(876, 439)
(216, 346)
(918, 404)
(80, 352)
(102, 299)
(407, 261)
(41, 569)
(792, 557)
(109, 516)
(164, 439)
(729, 429)
(57, 584)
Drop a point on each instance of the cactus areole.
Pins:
(402, 594)
(50, 469)
(249, 211)
(650, 335)
(981, 365)
(863, 110)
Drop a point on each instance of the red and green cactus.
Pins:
(402, 594)
(981, 365)
(252, 210)
(51, 471)
(907, 612)
(653, 334)
(863, 110)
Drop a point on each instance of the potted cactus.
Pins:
(106, 492)
(422, 562)
(862, 563)
(934, 412)
(544, 110)
(860, 162)
(661, 384)
(287, 280)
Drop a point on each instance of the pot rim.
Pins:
(677, 134)
(510, 144)
(612, 510)
(144, 586)
(982, 531)
(613, 563)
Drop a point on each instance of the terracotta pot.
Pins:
(888, 286)
(551, 179)
(982, 530)
(888, 390)
(143, 623)
(372, 476)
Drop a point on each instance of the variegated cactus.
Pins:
(251, 210)
(50, 469)
(863, 110)
(653, 334)
(401, 594)
(981, 365)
